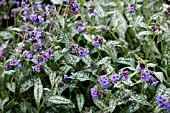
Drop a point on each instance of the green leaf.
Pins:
(11, 86)
(112, 104)
(9, 105)
(59, 100)
(133, 107)
(57, 55)
(87, 59)
(80, 1)
(159, 75)
(119, 20)
(23, 107)
(51, 74)
(72, 59)
(127, 61)
(26, 85)
(2, 103)
(80, 101)
(81, 76)
(6, 35)
(57, 1)
(143, 33)
(87, 37)
(103, 60)
(99, 103)
(17, 29)
(140, 98)
(38, 91)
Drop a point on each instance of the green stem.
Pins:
(150, 47)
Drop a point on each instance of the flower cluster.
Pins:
(74, 48)
(163, 102)
(97, 94)
(147, 75)
(104, 81)
(97, 41)
(117, 77)
(94, 93)
(75, 6)
(14, 62)
(82, 51)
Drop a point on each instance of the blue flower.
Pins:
(154, 83)
(115, 78)
(104, 81)
(94, 93)
(96, 43)
(132, 8)
(76, 6)
(36, 68)
(163, 102)
(83, 52)
(81, 27)
(14, 62)
(41, 19)
(65, 76)
(28, 54)
(33, 18)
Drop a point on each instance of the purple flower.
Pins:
(154, 28)
(83, 52)
(94, 93)
(92, 14)
(39, 6)
(25, 13)
(74, 48)
(104, 81)
(76, 6)
(26, 28)
(91, 10)
(33, 17)
(147, 72)
(25, 18)
(163, 102)
(96, 43)
(41, 19)
(36, 68)
(115, 78)
(81, 27)
(6, 67)
(20, 65)
(48, 8)
(28, 54)
(132, 8)
(65, 76)
(154, 83)
(1, 4)
(14, 62)
(17, 3)
(66, 0)
(141, 66)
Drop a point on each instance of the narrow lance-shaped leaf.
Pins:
(59, 100)
(38, 90)
(80, 101)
